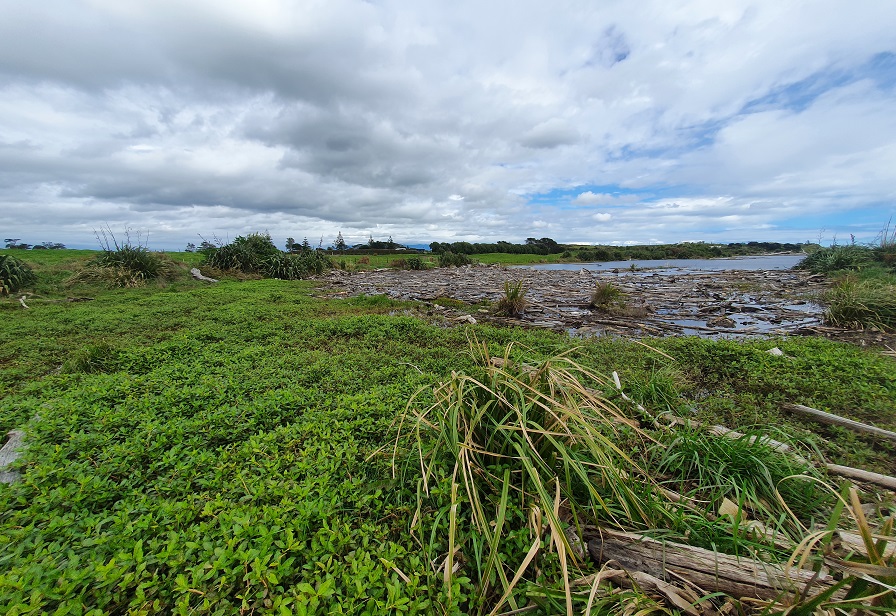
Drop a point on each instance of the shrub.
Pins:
(296, 266)
(415, 263)
(451, 259)
(14, 275)
(249, 254)
(513, 302)
(607, 297)
(399, 264)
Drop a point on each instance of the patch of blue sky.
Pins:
(560, 196)
(865, 223)
(797, 96)
(611, 196)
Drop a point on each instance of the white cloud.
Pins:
(444, 121)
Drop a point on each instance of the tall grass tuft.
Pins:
(745, 469)
(124, 263)
(287, 266)
(608, 297)
(867, 575)
(525, 447)
(867, 302)
(513, 302)
(885, 249)
(837, 258)
(15, 275)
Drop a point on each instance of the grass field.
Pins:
(228, 448)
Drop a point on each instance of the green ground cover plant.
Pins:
(229, 448)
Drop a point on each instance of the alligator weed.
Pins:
(253, 447)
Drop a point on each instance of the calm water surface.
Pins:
(770, 262)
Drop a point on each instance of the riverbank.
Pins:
(197, 447)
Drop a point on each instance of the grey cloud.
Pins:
(371, 115)
(550, 134)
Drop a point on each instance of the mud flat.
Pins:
(730, 303)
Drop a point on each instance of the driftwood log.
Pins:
(858, 474)
(198, 275)
(836, 420)
(710, 571)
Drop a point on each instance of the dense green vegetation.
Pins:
(256, 254)
(864, 289)
(229, 448)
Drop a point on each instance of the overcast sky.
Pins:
(594, 121)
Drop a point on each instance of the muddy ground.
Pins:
(728, 303)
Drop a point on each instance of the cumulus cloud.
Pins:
(441, 122)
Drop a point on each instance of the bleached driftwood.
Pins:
(710, 571)
(22, 301)
(8, 454)
(858, 474)
(836, 420)
(198, 275)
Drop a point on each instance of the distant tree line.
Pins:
(15, 244)
(543, 246)
(687, 250)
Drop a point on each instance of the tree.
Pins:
(291, 245)
(191, 247)
(340, 243)
(12, 242)
(306, 245)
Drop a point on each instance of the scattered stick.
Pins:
(198, 275)
(836, 420)
(858, 474)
